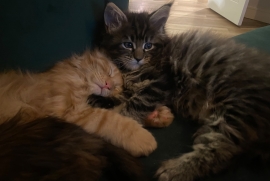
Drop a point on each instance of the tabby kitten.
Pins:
(51, 149)
(226, 88)
(131, 39)
(62, 92)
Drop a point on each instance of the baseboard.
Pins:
(259, 14)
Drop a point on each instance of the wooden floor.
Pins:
(188, 14)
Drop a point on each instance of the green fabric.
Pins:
(34, 34)
(258, 38)
(177, 139)
(172, 141)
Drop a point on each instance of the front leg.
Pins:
(143, 99)
(159, 118)
(145, 103)
(137, 107)
(213, 151)
(121, 131)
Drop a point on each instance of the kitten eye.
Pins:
(128, 45)
(147, 46)
(110, 72)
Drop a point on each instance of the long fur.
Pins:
(63, 92)
(51, 149)
(42, 144)
(225, 86)
(221, 84)
(143, 97)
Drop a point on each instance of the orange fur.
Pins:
(62, 92)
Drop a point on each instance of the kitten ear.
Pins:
(113, 17)
(159, 17)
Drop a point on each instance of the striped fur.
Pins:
(143, 97)
(136, 29)
(221, 84)
(145, 91)
(226, 87)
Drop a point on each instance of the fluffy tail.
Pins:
(50, 149)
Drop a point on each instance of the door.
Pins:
(233, 10)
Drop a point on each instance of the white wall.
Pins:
(259, 10)
(233, 10)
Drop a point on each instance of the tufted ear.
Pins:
(113, 17)
(159, 17)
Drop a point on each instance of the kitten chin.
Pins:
(134, 64)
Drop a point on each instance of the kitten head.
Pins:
(132, 38)
(104, 78)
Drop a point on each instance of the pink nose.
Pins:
(107, 86)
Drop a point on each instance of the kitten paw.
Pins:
(176, 169)
(141, 143)
(161, 117)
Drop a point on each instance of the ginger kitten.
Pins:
(62, 92)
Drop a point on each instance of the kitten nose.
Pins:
(138, 54)
(107, 85)
(138, 59)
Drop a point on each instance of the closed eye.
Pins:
(110, 72)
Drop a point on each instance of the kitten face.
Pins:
(105, 79)
(133, 48)
(132, 38)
